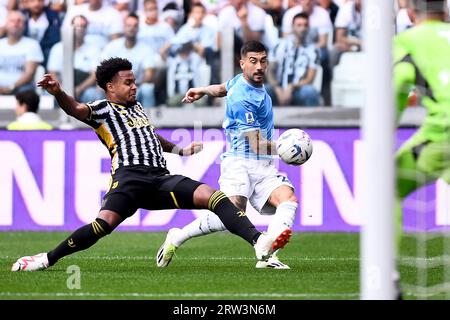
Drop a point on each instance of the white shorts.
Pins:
(253, 179)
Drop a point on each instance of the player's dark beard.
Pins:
(258, 74)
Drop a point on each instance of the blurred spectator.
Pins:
(58, 6)
(292, 68)
(173, 15)
(21, 5)
(3, 14)
(331, 7)
(212, 6)
(19, 56)
(140, 55)
(105, 22)
(85, 61)
(271, 33)
(272, 7)
(152, 31)
(202, 37)
(120, 5)
(43, 25)
(405, 16)
(184, 72)
(27, 106)
(401, 4)
(448, 10)
(9, 4)
(246, 20)
(404, 20)
(71, 3)
(156, 33)
(340, 3)
(320, 29)
(123, 6)
(287, 4)
(319, 21)
(164, 3)
(348, 26)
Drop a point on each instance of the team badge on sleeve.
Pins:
(249, 117)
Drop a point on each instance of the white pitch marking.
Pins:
(171, 294)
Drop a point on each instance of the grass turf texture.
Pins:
(219, 266)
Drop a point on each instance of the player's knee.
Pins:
(286, 198)
(292, 198)
(202, 196)
(101, 228)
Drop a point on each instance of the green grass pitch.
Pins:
(218, 266)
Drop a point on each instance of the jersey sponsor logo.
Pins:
(138, 122)
(249, 117)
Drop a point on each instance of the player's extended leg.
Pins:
(237, 222)
(81, 239)
(284, 199)
(205, 224)
(205, 197)
(418, 163)
(285, 202)
(118, 204)
(226, 216)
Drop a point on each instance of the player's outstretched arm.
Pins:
(70, 106)
(192, 148)
(214, 90)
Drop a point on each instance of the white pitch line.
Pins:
(411, 261)
(179, 257)
(182, 295)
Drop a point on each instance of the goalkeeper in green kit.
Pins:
(422, 62)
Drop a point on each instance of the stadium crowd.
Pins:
(175, 44)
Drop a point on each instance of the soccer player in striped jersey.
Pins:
(139, 177)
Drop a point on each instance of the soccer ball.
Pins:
(294, 146)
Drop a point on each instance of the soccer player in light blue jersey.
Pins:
(247, 169)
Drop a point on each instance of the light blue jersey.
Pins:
(248, 108)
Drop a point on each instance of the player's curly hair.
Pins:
(109, 68)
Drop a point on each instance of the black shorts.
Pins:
(135, 187)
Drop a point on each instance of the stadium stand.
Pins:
(347, 86)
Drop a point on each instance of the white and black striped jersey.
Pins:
(127, 133)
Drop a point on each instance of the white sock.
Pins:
(203, 225)
(283, 218)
